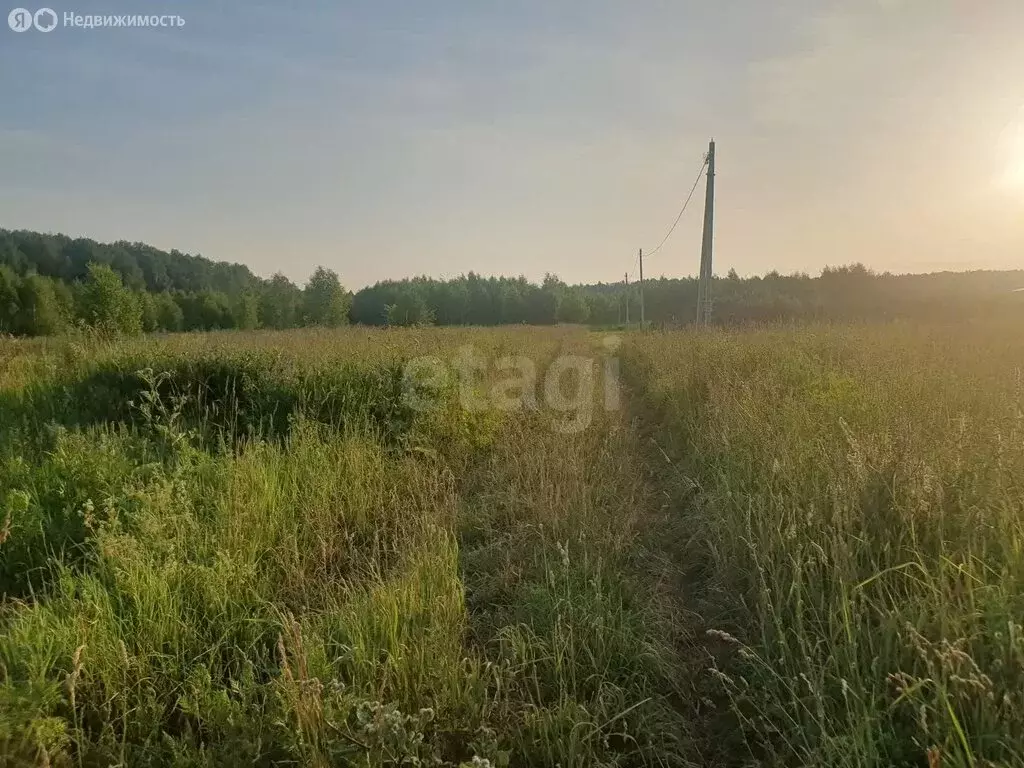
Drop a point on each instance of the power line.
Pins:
(682, 210)
(641, 254)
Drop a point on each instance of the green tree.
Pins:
(324, 300)
(280, 303)
(206, 311)
(572, 308)
(216, 310)
(140, 266)
(10, 302)
(168, 313)
(66, 301)
(107, 304)
(246, 311)
(147, 308)
(542, 305)
(40, 313)
(602, 308)
(409, 308)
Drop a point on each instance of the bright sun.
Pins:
(1014, 176)
(1013, 173)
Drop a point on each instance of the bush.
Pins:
(107, 305)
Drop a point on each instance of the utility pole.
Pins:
(707, 244)
(626, 278)
(642, 317)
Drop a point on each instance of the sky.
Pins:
(386, 139)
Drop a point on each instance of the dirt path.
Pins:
(572, 552)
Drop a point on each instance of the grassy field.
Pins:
(472, 547)
(857, 520)
(249, 549)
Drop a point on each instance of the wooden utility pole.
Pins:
(642, 316)
(707, 244)
(626, 278)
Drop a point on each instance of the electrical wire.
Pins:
(682, 210)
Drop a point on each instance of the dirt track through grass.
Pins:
(784, 547)
(373, 587)
(856, 535)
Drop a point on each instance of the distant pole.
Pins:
(707, 244)
(626, 278)
(642, 315)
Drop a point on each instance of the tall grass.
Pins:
(857, 535)
(247, 549)
(242, 549)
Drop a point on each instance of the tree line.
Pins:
(51, 283)
(840, 294)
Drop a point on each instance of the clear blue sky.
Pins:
(385, 139)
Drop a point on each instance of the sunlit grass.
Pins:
(253, 553)
(860, 529)
(787, 547)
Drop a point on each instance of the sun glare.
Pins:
(1014, 176)
(1013, 172)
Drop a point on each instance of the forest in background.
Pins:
(53, 283)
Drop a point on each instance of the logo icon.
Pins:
(20, 19)
(45, 19)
